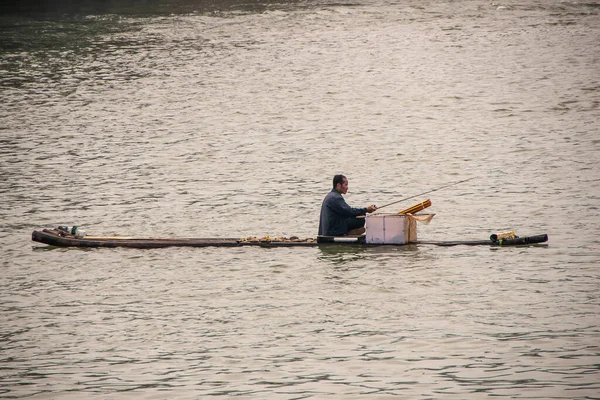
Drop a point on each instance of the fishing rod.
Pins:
(421, 194)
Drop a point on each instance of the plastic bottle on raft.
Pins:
(73, 230)
(78, 233)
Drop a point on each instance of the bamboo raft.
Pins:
(62, 238)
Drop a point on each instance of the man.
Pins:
(337, 217)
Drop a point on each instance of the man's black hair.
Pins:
(338, 179)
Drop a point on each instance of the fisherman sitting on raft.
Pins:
(337, 217)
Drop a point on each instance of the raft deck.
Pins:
(60, 238)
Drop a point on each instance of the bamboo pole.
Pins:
(416, 208)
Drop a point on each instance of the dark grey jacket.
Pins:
(335, 213)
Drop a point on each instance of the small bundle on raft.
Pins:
(499, 237)
(278, 239)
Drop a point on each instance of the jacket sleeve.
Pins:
(340, 206)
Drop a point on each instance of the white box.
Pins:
(390, 229)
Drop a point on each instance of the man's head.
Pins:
(340, 183)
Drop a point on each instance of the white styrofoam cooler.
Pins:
(390, 229)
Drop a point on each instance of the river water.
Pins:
(229, 119)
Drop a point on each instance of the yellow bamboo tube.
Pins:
(416, 208)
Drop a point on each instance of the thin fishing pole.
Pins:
(421, 194)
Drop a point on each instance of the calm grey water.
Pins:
(229, 120)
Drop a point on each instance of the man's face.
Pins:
(343, 187)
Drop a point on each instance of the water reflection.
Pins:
(343, 254)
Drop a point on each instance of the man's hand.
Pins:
(371, 208)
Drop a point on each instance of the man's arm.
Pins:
(340, 206)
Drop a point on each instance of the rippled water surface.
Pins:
(229, 120)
